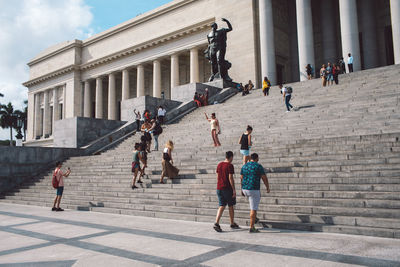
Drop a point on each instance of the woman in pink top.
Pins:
(60, 189)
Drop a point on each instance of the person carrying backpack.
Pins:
(156, 129)
(58, 183)
(287, 95)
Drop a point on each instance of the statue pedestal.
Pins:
(220, 83)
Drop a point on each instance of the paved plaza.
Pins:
(35, 236)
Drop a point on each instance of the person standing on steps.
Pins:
(215, 129)
(323, 74)
(350, 62)
(156, 129)
(342, 66)
(59, 175)
(329, 74)
(137, 158)
(226, 191)
(266, 86)
(309, 71)
(287, 95)
(168, 170)
(245, 144)
(161, 114)
(146, 133)
(250, 176)
(137, 117)
(335, 72)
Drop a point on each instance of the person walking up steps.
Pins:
(168, 169)
(215, 129)
(266, 86)
(58, 183)
(156, 129)
(287, 95)
(226, 191)
(137, 158)
(251, 173)
(245, 144)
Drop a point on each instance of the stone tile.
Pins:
(247, 258)
(59, 229)
(13, 241)
(8, 220)
(103, 260)
(169, 249)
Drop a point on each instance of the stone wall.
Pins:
(17, 164)
(77, 132)
(186, 92)
(142, 103)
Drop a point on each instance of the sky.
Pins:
(29, 26)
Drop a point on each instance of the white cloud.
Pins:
(26, 28)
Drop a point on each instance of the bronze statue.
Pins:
(216, 50)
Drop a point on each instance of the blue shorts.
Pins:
(60, 190)
(245, 152)
(330, 77)
(225, 197)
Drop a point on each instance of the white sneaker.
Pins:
(287, 110)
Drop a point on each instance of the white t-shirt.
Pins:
(285, 90)
(161, 112)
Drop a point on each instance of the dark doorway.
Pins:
(93, 109)
(389, 45)
(279, 73)
(119, 111)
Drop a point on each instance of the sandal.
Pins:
(217, 228)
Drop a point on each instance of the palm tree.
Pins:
(8, 119)
(23, 116)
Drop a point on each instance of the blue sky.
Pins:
(27, 27)
(109, 13)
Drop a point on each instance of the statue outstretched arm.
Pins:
(229, 24)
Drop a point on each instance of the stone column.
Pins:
(99, 98)
(369, 34)
(55, 106)
(174, 70)
(37, 116)
(87, 105)
(156, 78)
(267, 42)
(349, 32)
(305, 36)
(194, 65)
(395, 15)
(140, 81)
(46, 113)
(112, 97)
(328, 21)
(125, 84)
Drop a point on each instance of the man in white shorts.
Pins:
(251, 174)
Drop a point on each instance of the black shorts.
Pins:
(225, 197)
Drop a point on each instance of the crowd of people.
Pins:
(251, 171)
(201, 100)
(329, 72)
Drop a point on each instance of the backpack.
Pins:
(158, 129)
(289, 90)
(54, 181)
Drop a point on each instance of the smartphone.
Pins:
(68, 168)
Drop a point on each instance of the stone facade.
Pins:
(160, 50)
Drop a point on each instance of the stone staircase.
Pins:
(333, 165)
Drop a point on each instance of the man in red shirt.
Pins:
(226, 190)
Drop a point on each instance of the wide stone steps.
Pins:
(332, 165)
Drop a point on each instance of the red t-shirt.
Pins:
(223, 170)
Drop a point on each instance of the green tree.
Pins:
(8, 119)
(23, 116)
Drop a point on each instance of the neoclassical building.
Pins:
(155, 52)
